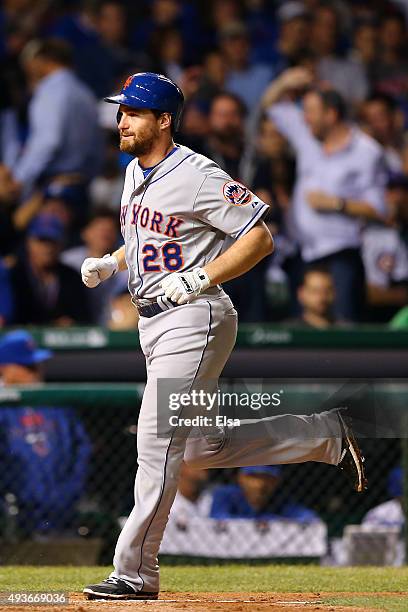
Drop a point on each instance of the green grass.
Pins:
(387, 604)
(229, 578)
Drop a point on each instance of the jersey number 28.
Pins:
(171, 255)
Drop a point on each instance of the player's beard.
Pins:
(141, 143)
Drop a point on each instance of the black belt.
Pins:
(151, 308)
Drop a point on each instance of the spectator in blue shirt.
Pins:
(64, 137)
(257, 495)
(244, 79)
(44, 451)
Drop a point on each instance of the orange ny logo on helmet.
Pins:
(128, 81)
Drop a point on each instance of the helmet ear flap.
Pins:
(118, 116)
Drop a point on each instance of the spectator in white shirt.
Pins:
(340, 181)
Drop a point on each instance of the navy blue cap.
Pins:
(47, 227)
(20, 347)
(269, 470)
(67, 193)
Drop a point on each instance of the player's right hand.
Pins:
(97, 269)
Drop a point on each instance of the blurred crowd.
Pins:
(305, 102)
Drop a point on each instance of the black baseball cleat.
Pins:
(115, 588)
(351, 459)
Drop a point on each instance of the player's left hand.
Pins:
(182, 287)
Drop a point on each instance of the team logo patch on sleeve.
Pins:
(237, 194)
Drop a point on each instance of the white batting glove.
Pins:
(94, 270)
(182, 287)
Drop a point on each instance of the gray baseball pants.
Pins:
(193, 342)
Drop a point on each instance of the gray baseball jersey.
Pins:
(178, 218)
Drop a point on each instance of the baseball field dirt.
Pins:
(235, 587)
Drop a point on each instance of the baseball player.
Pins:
(177, 210)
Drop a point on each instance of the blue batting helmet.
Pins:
(153, 91)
